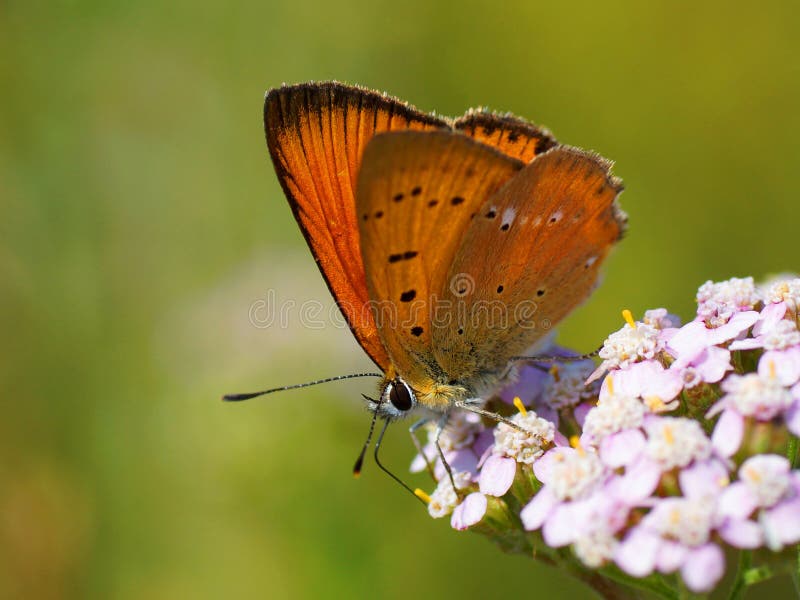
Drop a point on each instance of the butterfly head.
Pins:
(397, 400)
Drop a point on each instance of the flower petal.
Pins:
(782, 523)
(738, 323)
(689, 341)
(728, 433)
(543, 467)
(538, 509)
(497, 475)
(560, 527)
(469, 512)
(621, 449)
(581, 411)
(671, 556)
(783, 364)
(713, 363)
(703, 567)
(639, 482)
(636, 555)
(737, 501)
(769, 317)
(704, 479)
(741, 533)
(793, 416)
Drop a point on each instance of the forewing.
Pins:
(417, 195)
(533, 252)
(316, 134)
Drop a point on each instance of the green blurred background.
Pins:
(142, 220)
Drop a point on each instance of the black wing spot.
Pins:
(456, 200)
(540, 292)
(416, 191)
(416, 331)
(488, 130)
(397, 197)
(491, 214)
(600, 190)
(433, 202)
(460, 331)
(393, 258)
(513, 136)
(408, 296)
(499, 289)
(379, 214)
(505, 226)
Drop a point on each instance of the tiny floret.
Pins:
(567, 386)
(686, 520)
(717, 302)
(767, 476)
(676, 441)
(613, 414)
(575, 474)
(524, 446)
(630, 344)
(444, 498)
(783, 335)
(783, 290)
(753, 395)
(659, 318)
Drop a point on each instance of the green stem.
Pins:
(757, 574)
(796, 573)
(791, 450)
(738, 587)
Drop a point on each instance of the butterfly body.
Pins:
(449, 245)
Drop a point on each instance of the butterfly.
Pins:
(449, 245)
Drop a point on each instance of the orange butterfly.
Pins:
(446, 243)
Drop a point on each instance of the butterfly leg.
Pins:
(413, 431)
(487, 413)
(439, 429)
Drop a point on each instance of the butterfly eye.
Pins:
(401, 396)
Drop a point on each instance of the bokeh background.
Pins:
(142, 220)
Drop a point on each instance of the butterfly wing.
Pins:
(533, 254)
(510, 135)
(316, 134)
(418, 193)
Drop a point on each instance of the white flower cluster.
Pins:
(524, 446)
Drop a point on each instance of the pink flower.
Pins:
(747, 396)
(766, 486)
(469, 512)
(718, 302)
(573, 498)
(695, 337)
(651, 382)
(675, 534)
(636, 341)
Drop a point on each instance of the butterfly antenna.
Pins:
(587, 356)
(387, 471)
(240, 397)
(360, 459)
